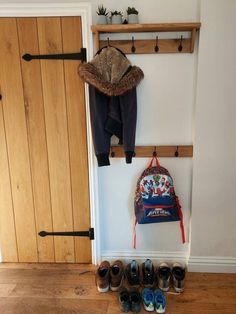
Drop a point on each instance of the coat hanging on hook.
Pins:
(113, 101)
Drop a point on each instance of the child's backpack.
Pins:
(155, 200)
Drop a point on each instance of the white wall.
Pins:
(214, 198)
(165, 116)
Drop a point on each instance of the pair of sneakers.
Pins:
(146, 277)
(154, 300)
(129, 300)
(109, 276)
(167, 275)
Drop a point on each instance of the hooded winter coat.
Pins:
(113, 101)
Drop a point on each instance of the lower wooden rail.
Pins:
(160, 151)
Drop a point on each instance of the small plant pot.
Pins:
(102, 19)
(133, 18)
(116, 19)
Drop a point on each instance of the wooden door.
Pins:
(43, 161)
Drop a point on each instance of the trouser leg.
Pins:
(128, 106)
(98, 115)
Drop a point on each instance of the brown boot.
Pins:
(103, 276)
(116, 274)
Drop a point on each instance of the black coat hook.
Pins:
(133, 47)
(180, 48)
(112, 153)
(154, 154)
(156, 48)
(177, 151)
(108, 41)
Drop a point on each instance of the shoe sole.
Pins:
(102, 290)
(164, 285)
(164, 289)
(114, 289)
(148, 309)
(179, 290)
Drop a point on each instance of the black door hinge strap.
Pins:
(82, 55)
(89, 233)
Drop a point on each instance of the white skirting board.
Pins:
(194, 263)
(212, 264)
(141, 256)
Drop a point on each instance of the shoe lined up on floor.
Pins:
(167, 276)
(129, 300)
(109, 276)
(116, 275)
(159, 301)
(135, 300)
(148, 299)
(103, 277)
(148, 273)
(132, 274)
(164, 276)
(178, 277)
(124, 300)
(154, 300)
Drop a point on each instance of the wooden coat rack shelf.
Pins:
(160, 151)
(143, 46)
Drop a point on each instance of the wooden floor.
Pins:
(59, 289)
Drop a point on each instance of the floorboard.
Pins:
(70, 288)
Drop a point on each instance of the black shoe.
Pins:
(132, 274)
(164, 276)
(124, 300)
(135, 301)
(148, 274)
(178, 276)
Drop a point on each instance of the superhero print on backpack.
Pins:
(155, 198)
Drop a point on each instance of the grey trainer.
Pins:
(164, 276)
(178, 277)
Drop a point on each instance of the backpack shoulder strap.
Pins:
(181, 222)
(151, 162)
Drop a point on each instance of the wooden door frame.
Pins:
(83, 10)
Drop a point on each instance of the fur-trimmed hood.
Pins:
(111, 72)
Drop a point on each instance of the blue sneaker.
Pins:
(148, 299)
(159, 301)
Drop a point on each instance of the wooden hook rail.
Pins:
(144, 46)
(177, 45)
(161, 151)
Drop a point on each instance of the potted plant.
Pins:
(102, 15)
(132, 15)
(116, 17)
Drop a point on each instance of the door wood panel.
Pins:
(77, 144)
(43, 140)
(7, 223)
(50, 42)
(35, 121)
(17, 141)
